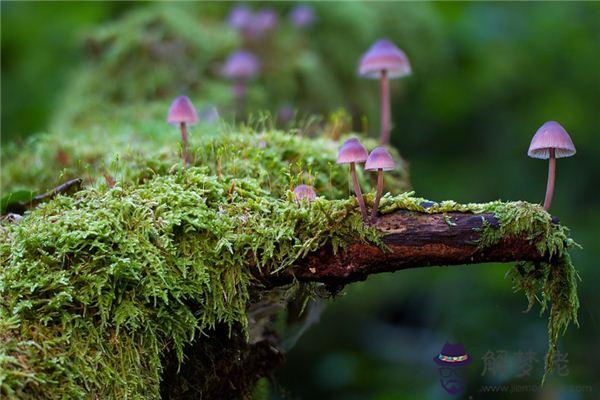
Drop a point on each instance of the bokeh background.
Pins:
(485, 77)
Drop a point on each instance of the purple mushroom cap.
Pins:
(302, 16)
(182, 110)
(241, 65)
(384, 55)
(551, 135)
(380, 159)
(264, 21)
(306, 192)
(352, 151)
(240, 17)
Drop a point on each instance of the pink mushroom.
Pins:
(240, 67)
(304, 192)
(240, 18)
(551, 141)
(182, 112)
(384, 61)
(302, 16)
(353, 152)
(264, 21)
(379, 160)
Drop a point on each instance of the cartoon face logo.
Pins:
(451, 362)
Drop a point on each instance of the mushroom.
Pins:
(551, 141)
(304, 192)
(384, 61)
(353, 152)
(264, 21)
(240, 67)
(240, 18)
(182, 112)
(302, 16)
(379, 160)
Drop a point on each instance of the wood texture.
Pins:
(413, 240)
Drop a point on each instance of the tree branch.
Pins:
(20, 207)
(413, 240)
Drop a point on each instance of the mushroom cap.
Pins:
(551, 135)
(384, 55)
(265, 20)
(302, 16)
(241, 65)
(182, 110)
(240, 17)
(380, 159)
(305, 192)
(352, 151)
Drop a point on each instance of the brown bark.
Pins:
(413, 240)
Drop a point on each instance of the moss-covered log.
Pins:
(412, 240)
(113, 291)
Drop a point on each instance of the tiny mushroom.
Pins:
(353, 152)
(240, 18)
(302, 16)
(304, 192)
(264, 21)
(241, 64)
(182, 112)
(384, 61)
(379, 160)
(551, 141)
(240, 67)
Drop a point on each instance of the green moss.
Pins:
(96, 287)
(553, 284)
(133, 153)
(100, 282)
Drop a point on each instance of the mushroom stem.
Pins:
(239, 92)
(184, 144)
(359, 196)
(551, 175)
(377, 195)
(385, 108)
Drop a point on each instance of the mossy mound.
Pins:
(100, 287)
(142, 150)
(96, 286)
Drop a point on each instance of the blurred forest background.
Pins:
(485, 77)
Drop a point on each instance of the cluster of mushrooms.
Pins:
(243, 65)
(383, 60)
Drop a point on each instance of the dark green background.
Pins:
(494, 74)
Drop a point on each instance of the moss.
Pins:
(553, 284)
(137, 152)
(98, 283)
(97, 286)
